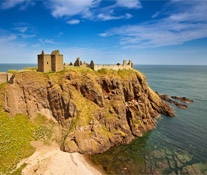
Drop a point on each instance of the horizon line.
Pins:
(137, 64)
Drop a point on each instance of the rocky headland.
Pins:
(96, 110)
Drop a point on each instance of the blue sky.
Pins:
(107, 31)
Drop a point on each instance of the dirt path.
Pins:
(50, 160)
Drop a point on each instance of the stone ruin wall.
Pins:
(114, 67)
(4, 77)
(95, 67)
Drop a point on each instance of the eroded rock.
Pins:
(96, 110)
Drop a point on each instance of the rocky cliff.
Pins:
(96, 110)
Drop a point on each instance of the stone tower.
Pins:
(50, 62)
(57, 61)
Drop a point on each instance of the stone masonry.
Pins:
(4, 77)
(95, 67)
(50, 62)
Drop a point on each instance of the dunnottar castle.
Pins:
(54, 62)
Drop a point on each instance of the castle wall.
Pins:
(44, 63)
(4, 77)
(114, 67)
(57, 62)
(47, 63)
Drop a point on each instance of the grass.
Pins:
(2, 85)
(15, 136)
(13, 71)
(30, 69)
(24, 69)
(85, 108)
(19, 170)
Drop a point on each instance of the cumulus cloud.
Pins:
(188, 22)
(74, 21)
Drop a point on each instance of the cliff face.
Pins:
(97, 110)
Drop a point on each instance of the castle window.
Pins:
(47, 62)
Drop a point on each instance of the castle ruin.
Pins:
(4, 77)
(95, 67)
(50, 62)
(54, 62)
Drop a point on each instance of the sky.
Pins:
(168, 32)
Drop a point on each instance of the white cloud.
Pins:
(74, 21)
(49, 41)
(46, 41)
(128, 16)
(62, 8)
(27, 36)
(21, 29)
(103, 34)
(155, 15)
(7, 38)
(187, 23)
(129, 3)
(90, 9)
(87, 9)
(7, 4)
(106, 17)
(11, 3)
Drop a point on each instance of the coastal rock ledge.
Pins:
(96, 110)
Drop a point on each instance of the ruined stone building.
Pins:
(50, 62)
(95, 67)
(54, 62)
(4, 77)
(112, 66)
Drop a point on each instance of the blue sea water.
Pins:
(6, 67)
(178, 145)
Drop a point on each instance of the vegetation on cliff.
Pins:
(16, 133)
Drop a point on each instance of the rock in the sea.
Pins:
(167, 98)
(97, 110)
(183, 99)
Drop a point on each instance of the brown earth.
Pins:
(96, 110)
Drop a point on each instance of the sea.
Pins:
(178, 145)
